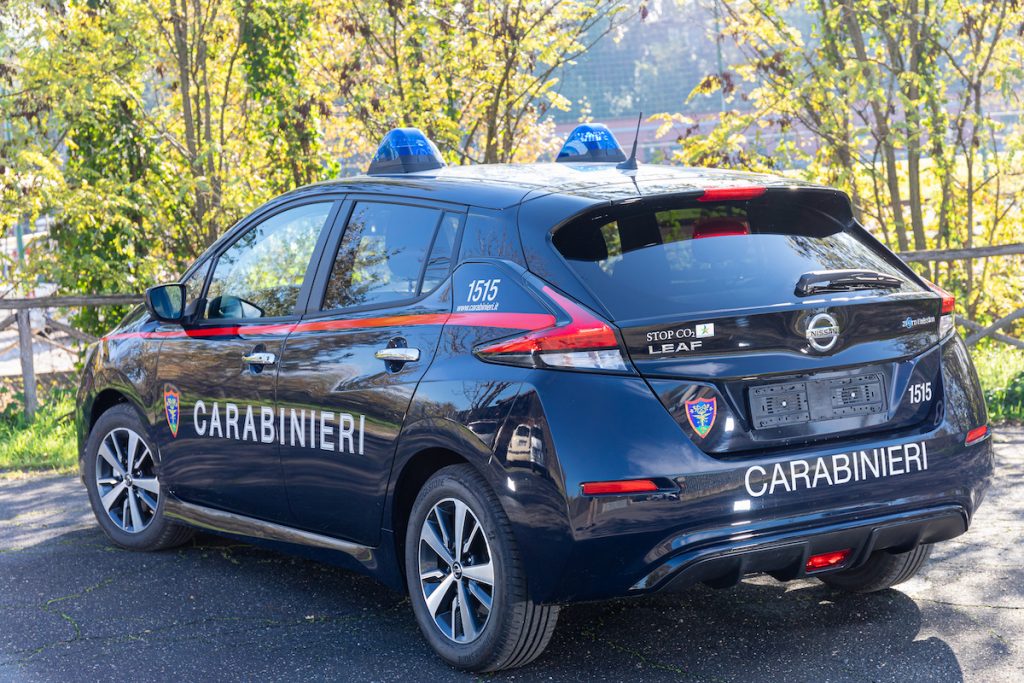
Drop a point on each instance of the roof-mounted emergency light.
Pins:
(405, 150)
(590, 143)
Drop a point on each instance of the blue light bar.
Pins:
(589, 143)
(405, 150)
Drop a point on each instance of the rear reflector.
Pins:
(596, 488)
(719, 194)
(976, 435)
(826, 560)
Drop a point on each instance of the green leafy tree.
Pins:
(479, 77)
(894, 102)
(144, 128)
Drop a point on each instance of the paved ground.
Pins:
(74, 608)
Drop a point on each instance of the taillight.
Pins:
(947, 321)
(585, 342)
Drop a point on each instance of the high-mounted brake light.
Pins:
(597, 488)
(948, 319)
(826, 560)
(720, 227)
(585, 342)
(721, 194)
(975, 435)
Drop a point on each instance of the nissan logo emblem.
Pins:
(822, 332)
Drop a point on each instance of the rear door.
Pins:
(731, 310)
(221, 448)
(350, 368)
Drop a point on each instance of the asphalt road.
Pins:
(72, 607)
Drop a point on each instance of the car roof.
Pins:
(499, 186)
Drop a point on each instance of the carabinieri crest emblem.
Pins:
(172, 407)
(701, 413)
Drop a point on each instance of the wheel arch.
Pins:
(425, 448)
(104, 401)
(92, 409)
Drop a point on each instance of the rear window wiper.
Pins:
(819, 281)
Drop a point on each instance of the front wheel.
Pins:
(120, 474)
(465, 578)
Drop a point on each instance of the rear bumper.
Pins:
(714, 519)
(713, 532)
(784, 555)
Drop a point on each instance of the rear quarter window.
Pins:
(694, 258)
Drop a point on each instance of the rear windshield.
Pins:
(696, 258)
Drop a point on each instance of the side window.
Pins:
(440, 260)
(261, 274)
(194, 282)
(194, 287)
(382, 255)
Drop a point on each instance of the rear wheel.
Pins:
(465, 578)
(124, 488)
(882, 570)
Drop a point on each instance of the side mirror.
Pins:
(166, 303)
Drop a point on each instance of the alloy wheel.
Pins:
(126, 480)
(456, 572)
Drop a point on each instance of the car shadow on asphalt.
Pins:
(759, 630)
(273, 616)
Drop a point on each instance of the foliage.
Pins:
(895, 102)
(1001, 370)
(144, 128)
(47, 443)
(478, 77)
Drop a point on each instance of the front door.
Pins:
(350, 368)
(220, 442)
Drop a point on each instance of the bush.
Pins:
(1001, 370)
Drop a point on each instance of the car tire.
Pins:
(882, 570)
(128, 502)
(512, 631)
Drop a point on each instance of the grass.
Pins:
(1001, 370)
(46, 444)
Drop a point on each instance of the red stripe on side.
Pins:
(233, 330)
(369, 323)
(517, 321)
(513, 321)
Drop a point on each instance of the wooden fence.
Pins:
(22, 313)
(22, 316)
(979, 331)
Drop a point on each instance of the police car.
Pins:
(504, 388)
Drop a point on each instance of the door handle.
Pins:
(259, 358)
(398, 354)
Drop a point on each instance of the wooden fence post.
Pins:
(28, 371)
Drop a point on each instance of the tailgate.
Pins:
(766, 321)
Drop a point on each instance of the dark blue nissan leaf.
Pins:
(504, 388)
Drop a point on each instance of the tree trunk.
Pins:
(882, 132)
